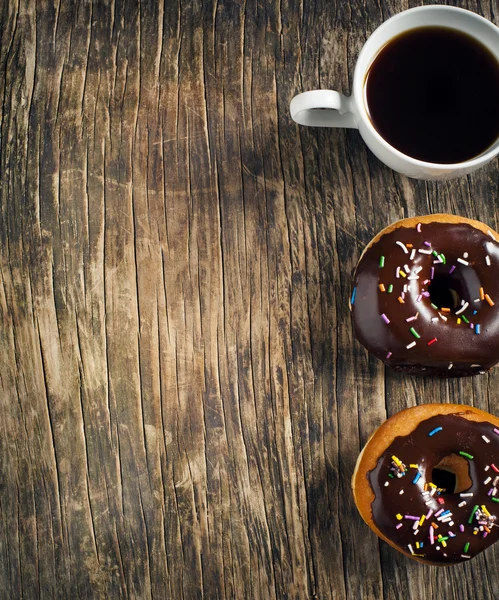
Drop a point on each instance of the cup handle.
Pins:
(323, 108)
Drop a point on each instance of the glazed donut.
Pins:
(426, 482)
(425, 296)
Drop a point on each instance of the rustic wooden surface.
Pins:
(181, 398)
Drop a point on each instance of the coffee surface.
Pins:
(433, 93)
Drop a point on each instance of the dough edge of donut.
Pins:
(412, 222)
(401, 424)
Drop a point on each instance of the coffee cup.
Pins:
(328, 108)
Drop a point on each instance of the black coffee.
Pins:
(433, 93)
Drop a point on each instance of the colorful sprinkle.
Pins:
(489, 300)
(382, 287)
(466, 455)
(482, 296)
(487, 260)
(452, 269)
(385, 318)
(403, 247)
(411, 345)
(466, 546)
(414, 333)
(417, 478)
(354, 293)
(434, 431)
(485, 439)
(463, 308)
(418, 227)
(382, 262)
(475, 508)
(401, 300)
(465, 319)
(432, 341)
(463, 262)
(477, 329)
(390, 288)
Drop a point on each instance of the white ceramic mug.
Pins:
(341, 111)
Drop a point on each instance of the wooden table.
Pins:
(182, 400)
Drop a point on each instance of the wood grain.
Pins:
(182, 401)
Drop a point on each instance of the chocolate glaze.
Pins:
(458, 346)
(457, 435)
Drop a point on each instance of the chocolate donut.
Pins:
(425, 296)
(427, 482)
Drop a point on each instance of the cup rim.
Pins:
(362, 108)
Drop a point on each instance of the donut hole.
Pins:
(452, 474)
(445, 291)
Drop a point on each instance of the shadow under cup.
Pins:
(432, 93)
